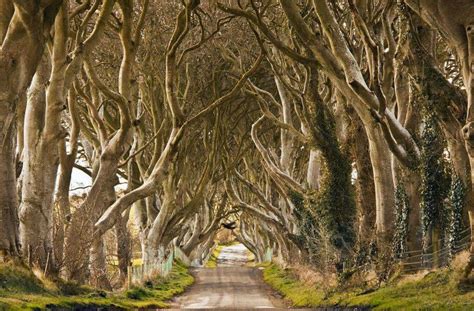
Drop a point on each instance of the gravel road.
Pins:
(231, 285)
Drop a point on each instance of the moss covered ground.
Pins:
(20, 289)
(439, 290)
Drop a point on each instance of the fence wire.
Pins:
(268, 254)
(417, 260)
(140, 273)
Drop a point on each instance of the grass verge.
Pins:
(212, 261)
(435, 291)
(21, 290)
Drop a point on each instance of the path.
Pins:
(231, 285)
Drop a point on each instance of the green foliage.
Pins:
(329, 214)
(327, 217)
(402, 210)
(334, 204)
(308, 234)
(434, 179)
(457, 197)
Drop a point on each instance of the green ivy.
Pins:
(402, 211)
(457, 197)
(307, 225)
(326, 218)
(434, 179)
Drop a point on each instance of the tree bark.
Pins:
(38, 177)
(124, 248)
(24, 33)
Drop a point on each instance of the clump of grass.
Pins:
(212, 261)
(138, 293)
(69, 288)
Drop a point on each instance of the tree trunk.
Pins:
(364, 187)
(414, 238)
(38, 177)
(9, 234)
(62, 203)
(124, 248)
(468, 129)
(80, 239)
(98, 265)
(153, 254)
(20, 53)
(383, 181)
(314, 170)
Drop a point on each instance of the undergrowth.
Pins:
(20, 289)
(438, 290)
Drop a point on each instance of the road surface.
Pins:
(231, 285)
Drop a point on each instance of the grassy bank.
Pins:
(434, 291)
(20, 289)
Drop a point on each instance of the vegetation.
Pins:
(20, 289)
(437, 290)
(401, 223)
(212, 261)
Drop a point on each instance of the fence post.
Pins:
(436, 248)
(471, 239)
(129, 277)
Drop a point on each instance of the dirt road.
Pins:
(229, 286)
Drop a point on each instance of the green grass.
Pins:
(436, 291)
(212, 261)
(298, 293)
(21, 290)
(18, 279)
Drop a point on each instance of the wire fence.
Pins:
(267, 256)
(417, 260)
(139, 273)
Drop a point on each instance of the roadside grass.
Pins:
(250, 259)
(212, 261)
(297, 293)
(439, 290)
(20, 289)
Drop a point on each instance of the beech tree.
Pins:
(23, 24)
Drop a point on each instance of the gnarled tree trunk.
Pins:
(21, 51)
